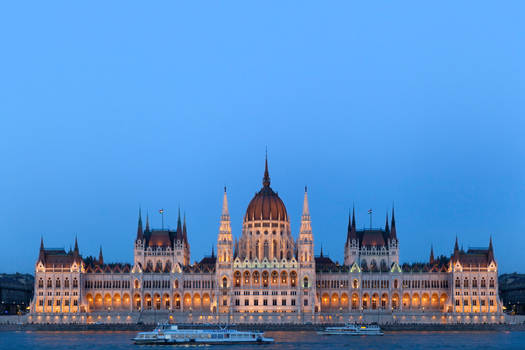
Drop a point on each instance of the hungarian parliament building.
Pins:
(267, 276)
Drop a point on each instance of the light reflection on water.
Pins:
(283, 340)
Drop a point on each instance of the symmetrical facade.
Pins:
(267, 275)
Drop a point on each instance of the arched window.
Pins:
(176, 283)
(224, 282)
(274, 252)
(355, 284)
(465, 283)
(257, 253)
(265, 276)
(305, 282)
(483, 282)
(66, 283)
(474, 283)
(293, 278)
(137, 284)
(40, 283)
(458, 283)
(266, 250)
(395, 283)
(57, 283)
(237, 279)
(275, 277)
(491, 283)
(158, 267)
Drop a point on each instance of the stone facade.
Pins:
(266, 276)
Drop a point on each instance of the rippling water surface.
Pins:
(283, 340)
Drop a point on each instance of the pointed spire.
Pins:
(351, 234)
(76, 245)
(306, 209)
(178, 235)
(456, 245)
(491, 250)
(266, 178)
(321, 251)
(393, 231)
(353, 218)
(41, 243)
(225, 211)
(147, 222)
(431, 260)
(100, 257)
(305, 232)
(139, 228)
(387, 228)
(184, 232)
(212, 251)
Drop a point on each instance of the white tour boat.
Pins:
(171, 334)
(353, 329)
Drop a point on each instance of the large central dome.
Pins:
(266, 205)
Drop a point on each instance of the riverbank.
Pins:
(262, 327)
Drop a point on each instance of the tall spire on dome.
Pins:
(139, 228)
(266, 178)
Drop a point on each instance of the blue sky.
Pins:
(106, 106)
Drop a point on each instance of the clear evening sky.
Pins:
(107, 106)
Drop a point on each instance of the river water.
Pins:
(283, 340)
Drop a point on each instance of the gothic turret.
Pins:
(225, 239)
(431, 260)
(305, 241)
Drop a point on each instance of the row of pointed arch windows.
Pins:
(483, 283)
(58, 283)
(265, 279)
(114, 284)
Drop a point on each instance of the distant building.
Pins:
(16, 291)
(512, 292)
(267, 275)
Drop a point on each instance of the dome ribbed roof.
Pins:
(266, 204)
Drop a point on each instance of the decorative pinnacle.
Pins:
(266, 178)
